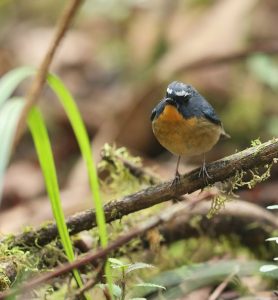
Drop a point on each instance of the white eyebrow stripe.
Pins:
(181, 93)
(169, 91)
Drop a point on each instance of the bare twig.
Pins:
(219, 171)
(166, 216)
(39, 80)
(221, 287)
(91, 282)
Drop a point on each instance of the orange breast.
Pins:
(170, 113)
(182, 136)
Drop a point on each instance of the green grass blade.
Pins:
(9, 116)
(11, 80)
(44, 152)
(83, 140)
(80, 132)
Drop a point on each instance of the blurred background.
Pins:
(117, 60)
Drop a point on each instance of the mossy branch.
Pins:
(220, 170)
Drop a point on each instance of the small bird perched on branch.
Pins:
(186, 124)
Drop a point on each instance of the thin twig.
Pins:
(91, 282)
(221, 287)
(39, 80)
(219, 171)
(166, 216)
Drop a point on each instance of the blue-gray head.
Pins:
(179, 90)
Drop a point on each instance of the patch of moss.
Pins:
(256, 142)
(217, 203)
(26, 261)
(5, 282)
(120, 180)
(256, 175)
(21, 261)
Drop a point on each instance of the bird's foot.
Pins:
(176, 180)
(204, 173)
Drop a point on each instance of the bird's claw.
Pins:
(176, 180)
(204, 173)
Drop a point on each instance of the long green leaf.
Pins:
(44, 152)
(268, 268)
(185, 279)
(150, 285)
(272, 206)
(9, 116)
(84, 143)
(79, 129)
(11, 80)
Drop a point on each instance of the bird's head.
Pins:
(178, 92)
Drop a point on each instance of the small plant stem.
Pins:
(220, 288)
(92, 282)
(123, 284)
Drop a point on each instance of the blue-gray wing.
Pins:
(153, 114)
(158, 109)
(203, 108)
(210, 114)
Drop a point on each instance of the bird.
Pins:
(186, 124)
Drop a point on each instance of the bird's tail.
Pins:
(224, 135)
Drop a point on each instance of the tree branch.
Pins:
(219, 170)
(235, 219)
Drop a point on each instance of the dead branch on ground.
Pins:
(219, 170)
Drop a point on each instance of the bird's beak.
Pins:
(170, 101)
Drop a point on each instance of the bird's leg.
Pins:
(177, 174)
(203, 171)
